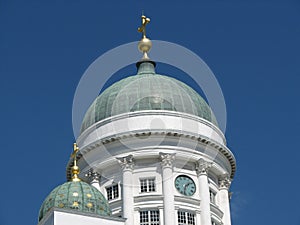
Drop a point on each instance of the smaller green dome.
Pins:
(77, 196)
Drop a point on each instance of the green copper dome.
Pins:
(147, 91)
(77, 196)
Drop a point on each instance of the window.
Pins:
(147, 185)
(150, 217)
(190, 218)
(181, 218)
(212, 196)
(112, 192)
(186, 218)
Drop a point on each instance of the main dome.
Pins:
(78, 196)
(147, 91)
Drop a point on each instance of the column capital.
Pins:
(167, 159)
(202, 167)
(93, 175)
(126, 162)
(224, 181)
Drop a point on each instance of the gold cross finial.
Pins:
(145, 43)
(75, 168)
(142, 28)
(75, 150)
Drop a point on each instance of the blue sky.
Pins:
(251, 46)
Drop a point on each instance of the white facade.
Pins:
(66, 217)
(133, 150)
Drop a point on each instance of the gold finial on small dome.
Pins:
(75, 168)
(145, 43)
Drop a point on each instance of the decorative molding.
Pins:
(216, 210)
(167, 159)
(190, 200)
(200, 138)
(202, 167)
(143, 198)
(93, 175)
(116, 204)
(224, 181)
(126, 162)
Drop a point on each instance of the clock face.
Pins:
(185, 185)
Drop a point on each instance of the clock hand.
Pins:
(186, 185)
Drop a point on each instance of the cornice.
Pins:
(188, 200)
(200, 139)
(143, 198)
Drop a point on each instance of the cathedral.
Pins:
(150, 152)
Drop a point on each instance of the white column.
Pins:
(167, 182)
(201, 168)
(198, 217)
(136, 218)
(161, 215)
(224, 184)
(127, 188)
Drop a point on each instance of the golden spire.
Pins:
(75, 168)
(145, 44)
(142, 28)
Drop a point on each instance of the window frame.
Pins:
(149, 219)
(150, 185)
(114, 192)
(213, 222)
(212, 196)
(186, 217)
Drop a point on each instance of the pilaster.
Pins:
(202, 168)
(167, 176)
(127, 166)
(224, 185)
